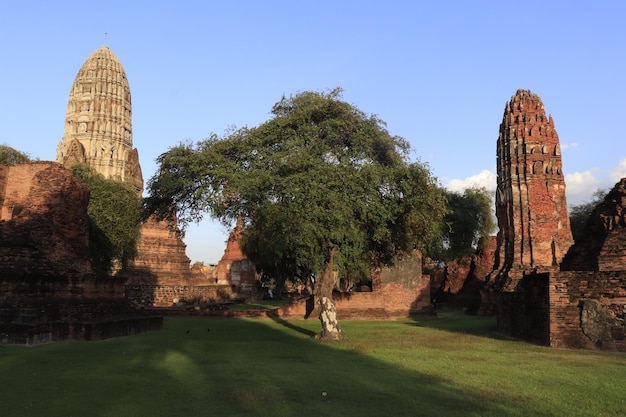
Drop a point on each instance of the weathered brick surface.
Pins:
(98, 121)
(163, 268)
(547, 309)
(524, 313)
(389, 302)
(545, 290)
(234, 268)
(161, 258)
(465, 277)
(171, 295)
(43, 226)
(567, 292)
(47, 289)
(456, 272)
(534, 231)
(35, 320)
(400, 291)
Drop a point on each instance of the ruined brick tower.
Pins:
(98, 132)
(98, 128)
(534, 230)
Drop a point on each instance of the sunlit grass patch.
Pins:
(454, 365)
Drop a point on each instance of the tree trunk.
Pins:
(324, 296)
(279, 287)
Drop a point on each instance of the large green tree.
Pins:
(114, 212)
(467, 224)
(10, 156)
(320, 181)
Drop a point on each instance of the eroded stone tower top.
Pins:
(98, 125)
(530, 200)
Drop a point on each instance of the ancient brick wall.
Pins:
(398, 291)
(389, 302)
(44, 226)
(605, 292)
(402, 287)
(31, 321)
(170, 295)
(524, 313)
(572, 309)
(465, 277)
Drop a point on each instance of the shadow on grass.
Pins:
(290, 325)
(458, 322)
(230, 367)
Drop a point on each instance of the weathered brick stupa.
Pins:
(98, 132)
(98, 126)
(543, 289)
(534, 231)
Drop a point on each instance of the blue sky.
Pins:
(438, 72)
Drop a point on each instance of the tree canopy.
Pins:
(318, 184)
(10, 156)
(467, 224)
(114, 212)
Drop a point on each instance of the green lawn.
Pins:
(448, 366)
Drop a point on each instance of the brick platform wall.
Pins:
(568, 290)
(547, 309)
(524, 313)
(169, 295)
(388, 302)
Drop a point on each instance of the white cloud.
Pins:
(580, 186)
(619, 172)
(565, 146)
(484, 178)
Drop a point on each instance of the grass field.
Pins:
(448, 366)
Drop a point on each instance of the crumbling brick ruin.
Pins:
(234, 277)
(402, 290)
(463, 279)
(98, 132)
(542, 288)
(47, 289)
(588, 296)
(534, 230)
(161, 257)
(44, 226)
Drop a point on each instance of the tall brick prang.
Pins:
(98, 132)
(534, 230)
(98, 121)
